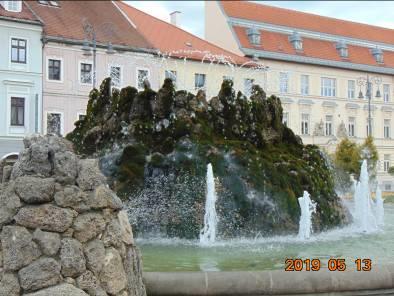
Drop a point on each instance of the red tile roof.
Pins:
(171, 39)
(314, 48)
(25, 15)
(110, 25)
(307, 21)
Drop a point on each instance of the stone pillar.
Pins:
(62, 230)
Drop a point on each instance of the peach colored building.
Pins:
(193, 63)
(315, 63)
(68, 71)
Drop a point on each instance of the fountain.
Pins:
(308, 207)
(262, 166)
(364, 218)
(379, 210)
(208, 233)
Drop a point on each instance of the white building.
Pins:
(315, 65)
(20, 75)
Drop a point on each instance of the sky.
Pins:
(378, 13)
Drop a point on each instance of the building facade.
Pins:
(20, 76)
(193, 63)
(318, 67)
(70, 30)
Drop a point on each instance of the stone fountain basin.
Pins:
(378, 281)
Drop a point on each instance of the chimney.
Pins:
(174, 16)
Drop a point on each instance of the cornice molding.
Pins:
(305, 102)
(310, 34)
(316, 61)
(352, 106)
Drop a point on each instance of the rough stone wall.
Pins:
(63, 231)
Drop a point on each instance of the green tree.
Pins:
(347, 157)
(369, 152)
(391, 171)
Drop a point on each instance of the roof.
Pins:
(314, 48)
(67, 20)
(307, 21)
(170, 39)
(26, 15)
(278, 43)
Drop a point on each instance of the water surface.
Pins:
(270, 253)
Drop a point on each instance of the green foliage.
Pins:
(391, 171)
(263, 167)
(348, 156)
(369, 152)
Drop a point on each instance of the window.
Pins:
(54, 69)
(297, 45)
(248, 84)
(378, 54)
(352, 127)
(328, 87)
(386, 162)
(369, 132)
(81, 116)
(387, 186)
(386, 128)
(296, 40)
(172, 75)
(15, 6)
(17, 111)
(283, 82)
(344, 52)
(18, 50)
(305, 124)
(115, 73)
(328, 125)
(253, 36)
(386, 93)
(86, 73)
(351, 89)
(142, 75)
(285, 119)
(199, 81)
(54, 123)
(305, 84)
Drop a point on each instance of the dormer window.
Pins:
(342, 49)
(13, 6)
(254, 36)
(296, 40)
(378, 55)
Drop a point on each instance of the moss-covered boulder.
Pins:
(155, 146)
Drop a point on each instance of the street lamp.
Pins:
(90, 45)
(368, 82)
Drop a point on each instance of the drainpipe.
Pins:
(44, 41)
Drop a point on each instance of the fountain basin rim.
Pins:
(275, 282)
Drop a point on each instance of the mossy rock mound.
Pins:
(155, 147)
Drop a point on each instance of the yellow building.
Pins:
(318, 66)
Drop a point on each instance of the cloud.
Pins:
(191, 17)
(158, 9)
(378, 13)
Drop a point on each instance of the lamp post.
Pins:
(89, 43)
(368, 82)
